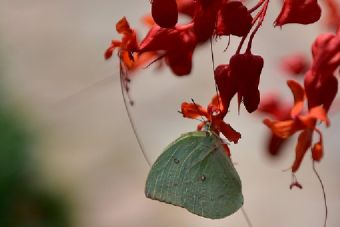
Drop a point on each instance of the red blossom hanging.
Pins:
(298, 11)
(233, 19)
(165, 12)
(173, 43)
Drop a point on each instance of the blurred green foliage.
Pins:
(23, 203)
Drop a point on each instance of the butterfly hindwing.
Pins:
(195, 173)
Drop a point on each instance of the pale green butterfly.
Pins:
(195, 173)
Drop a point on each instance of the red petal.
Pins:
(216, 106)
(317, 151)
(205, 20)
(180, 63)
(304, 142)
(226, 84)
(193, 110)
(320, 114)
(246, 69)
(274, 144)
(165, 12)
(302, 12)
(299, 97)
(333, 13)
(123, 27)
(231, 134)
(233, 19)
(160, 39)
(109, 51)
(282, 129)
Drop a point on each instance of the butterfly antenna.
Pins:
(123, 76)
(323, 191)
(196, 106)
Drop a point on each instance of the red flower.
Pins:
(165, 12)
(129, 40)
(320, 83)
(299, 11)
(247, 69)
(176, 45)
(233, 19)
(127, 46)
(205, 18)
(214, 115)
(333, 14)
(279, 110)
(305, 123)
(241, 76)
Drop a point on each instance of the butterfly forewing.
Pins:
(195, 173)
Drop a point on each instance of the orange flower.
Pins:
(306, 123)
(128, 47)
(214, 115)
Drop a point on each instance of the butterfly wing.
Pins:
(195, 173)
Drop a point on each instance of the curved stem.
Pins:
(323, 192)
(139, 141)
(246, 217)
(262, 15)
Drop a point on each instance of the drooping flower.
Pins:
(164, 12)
(301, 11)
(241, 76)
(320, 82)
(233, 19)
(303, 123)
(205, 18)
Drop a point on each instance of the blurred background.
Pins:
(68, 155)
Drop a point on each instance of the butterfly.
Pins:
(195, 173)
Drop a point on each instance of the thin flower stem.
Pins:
(245, 36)
(212, 55)
(259, 24)
(125, 98)
(256, 6)
(245, 215)
(323, 192)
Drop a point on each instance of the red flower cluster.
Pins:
(306, 123)
(175, 43)
(321, 87)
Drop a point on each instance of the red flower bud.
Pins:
(165, 12)
(227, 85)
(233, 19)
(246, 69)
(299, 11)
